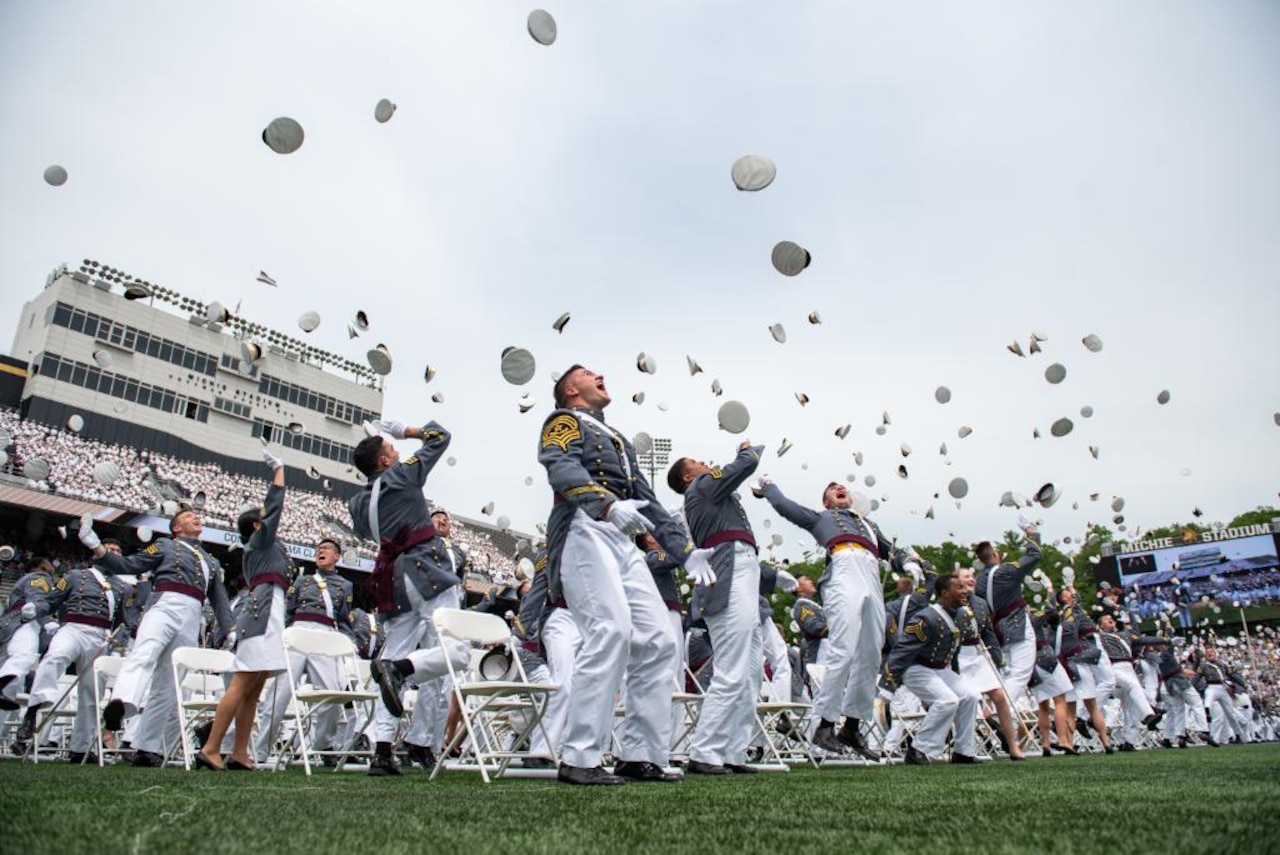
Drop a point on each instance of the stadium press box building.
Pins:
(150, 368)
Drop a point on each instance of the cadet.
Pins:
(1000, 585)
(88, 606)
(24, 615)
(922, 661)
(559, 641)
(413, 575)
(1184, 706)
(809, 615)
(184, 575)
(319, 601)
(854, 605)
(1135, 710)
(1079, 655)
(979, 667)
(601, 502)
(1218, 699)
(728, 602)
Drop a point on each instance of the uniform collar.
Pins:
(595, 414)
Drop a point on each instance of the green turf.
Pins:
(1199, 800)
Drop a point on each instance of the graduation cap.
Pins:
(1047, 495)
(1086, 411)
(734, 418)
(1163, 397)
(790, 259)
(283, 135)
(1061, 427)
(1038, 336)
(560, 323)
(964, 431)
(1197, 513)
(646, 364)
(265, 278)
(106, 473)
(802, 398)
(642, 442)
(1092, 342)
(36, 469)
(144, 533)
(870, 480)
(843, 430)
(857, 457)
(309, 321)
(313, 473)
(1015, 348)
(75, 423)
(753, 172)
(428, 374)
(452, 461)
(1093, 450)
(1117, 504)
(542, 27)
(815, 318)
(518, 366)
(694, 367)
(55, 176)
(902, 470)
(380, 360)
(929, 513)
(1035, 433)
(1033, 346)
(487, 510)
(784, 447)
(881, 430)
(216, 313)
(1055, 373)
(120, 407)
(958, 488)
(503, 523)
(297, 427)
(942, 449)
(905, 449)
(942, 394)
(383, 111)
(438, 398)
(716, 388)
(779, 333)
(250, 352)
(136, 291)
(528, 481)
(638, 398)
(360, 323)
(198, 501)
(526, 406)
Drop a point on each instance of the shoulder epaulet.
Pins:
(561, 429)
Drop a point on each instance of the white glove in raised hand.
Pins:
(787, 582)
(697, 566)
(273, 462)
(392, 428)
(28, 612)
(87, 537)
(625, 515)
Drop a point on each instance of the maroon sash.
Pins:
(383, 580)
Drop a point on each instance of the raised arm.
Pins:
(790, 511)
(723, 481)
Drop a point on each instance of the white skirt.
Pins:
(1057, 684)
(976, 671)
(265, 652)
(1084, 689)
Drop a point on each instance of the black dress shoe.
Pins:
(1082, 728)
(825, 738)
(965, 759)
(851, 735)
(1127, 746)
(740, 769)
(203, 762)
(82, 758)
(1108, 749)
(645, 771)
(113, 715)
(392, 684)
(383, 767)
(147, 759)
(596, 776)
(422, 755)
(916, 757)
(697, 768)
(1152, 720)
(538, 763)
(201, 731)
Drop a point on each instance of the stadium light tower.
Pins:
(656, 458)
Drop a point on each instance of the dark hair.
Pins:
(557, 391)
(366, 455)
(675, 476)
(981, 549)
(246, 521)
(37, 562)
(112, 540)
(942, 583)
(641, 543)
(336, 545)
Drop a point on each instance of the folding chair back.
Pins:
(204, 667)
(103, 667)
(308, 699)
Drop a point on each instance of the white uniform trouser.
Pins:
(950, 700)
(21, 656)
(1185, 708)
(146, 677)
(1220, 704)
(404, 636)
(1133, 701)
(855, 621)
(428, 718)
(560, 643)
(1150, 679)
(904, 701)
(682, 656)
(1019, 662)
(74, 643)
(325, 673)
(775, 653)
(625, 629)
(727, 720)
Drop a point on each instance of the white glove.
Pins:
(625, 515)
(392, 428)
(87, 537)
(28, 612)
(697, 566)
(787, 582)
(273, 462)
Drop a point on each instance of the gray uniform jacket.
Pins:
(404, 509)
(830, 527)
(898, 612)
(176, 565)
(717, 520)
(663, 567)
(1005, 585)
(134, 604)
(926, 640)
(588, 469)
(79, 597)
(532, 615)
(1171, 671)
(266, 567)
(364, 632)
(812, 621)
(1043, 622)
(977, 629)
(34, 588)
(1123, 645)
(305, 600)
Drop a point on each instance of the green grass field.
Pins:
(1199, 800)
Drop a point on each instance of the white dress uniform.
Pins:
(1220, 705)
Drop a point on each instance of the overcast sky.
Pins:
(962, 174)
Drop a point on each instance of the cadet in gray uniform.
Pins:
(1217, 697)
(1078, 655)
(809, 615)
(259, 647)
(87, 604)
(24, 614)
(431, 712)
(855, 612)
(923, 660)
(601, 502)
(320, 601)
(663, 566)
(728, 602)
(1121, 647)
(413, 575)
(1000, 585)
(184, 575)
(363, 629)
(980, 656)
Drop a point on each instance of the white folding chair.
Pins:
(63, 713)
(785, 728)
(498, 716)
(104, 667)
(327, 645)
(197, 672)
